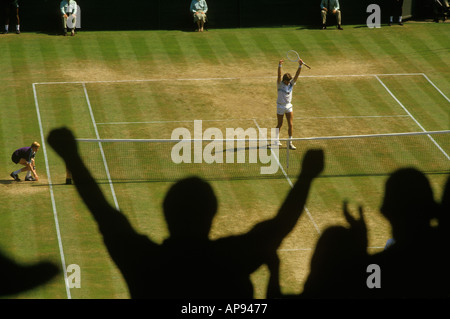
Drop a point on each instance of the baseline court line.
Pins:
(228, 78)
(251, 119)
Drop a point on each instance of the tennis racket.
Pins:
(294, 57)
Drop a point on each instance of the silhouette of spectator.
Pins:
(389, 243)
(187, 264)
(16, 278)
(415, 265)
(411, 267)
(338, 265)
(444, 218)
(444, 231)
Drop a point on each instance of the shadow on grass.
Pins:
(255, 177)
(7, 181)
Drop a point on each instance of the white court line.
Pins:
(413, 118)
(248, 119)
(52, 195)
(306, 249)
(228, 78)
(426, 77)
(315, 138)
(201, 79)
(116, 203)
(166, 122)
(291, 184)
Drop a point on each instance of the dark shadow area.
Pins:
(113, 15)
(414, 263)
(279, 176)
(7, 182)
(188, 264)
(17, 278)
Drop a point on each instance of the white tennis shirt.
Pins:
(285, 93)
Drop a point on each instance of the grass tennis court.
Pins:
(145, 84)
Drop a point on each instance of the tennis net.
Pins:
(354, 155)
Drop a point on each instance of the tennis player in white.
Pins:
(284, 106)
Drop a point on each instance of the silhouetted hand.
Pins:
(63, 142)
(313, 163)
(356, 225)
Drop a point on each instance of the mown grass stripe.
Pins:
(415, 93)
(221, 52)
(173, 50)
(130, 62)
(236, 48)
(432, 45)
(205, 50)
(142, 51)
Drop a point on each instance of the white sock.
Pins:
(28, 173)
(391, 18)
(400, 19)
(18, 171)
(290, 137)
(6, 27)
(17, 27)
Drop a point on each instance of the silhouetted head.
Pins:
(189, 208)
(408, 201)
(336, 250)
(336, 244)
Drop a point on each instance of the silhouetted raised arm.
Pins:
(110, 220)
(293, 206)
(266, 237)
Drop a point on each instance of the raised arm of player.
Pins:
(300, 63)
(280, 64)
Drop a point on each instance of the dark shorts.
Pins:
(15, 158)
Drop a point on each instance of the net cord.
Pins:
(260, 139)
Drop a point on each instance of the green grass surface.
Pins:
(247, 58)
